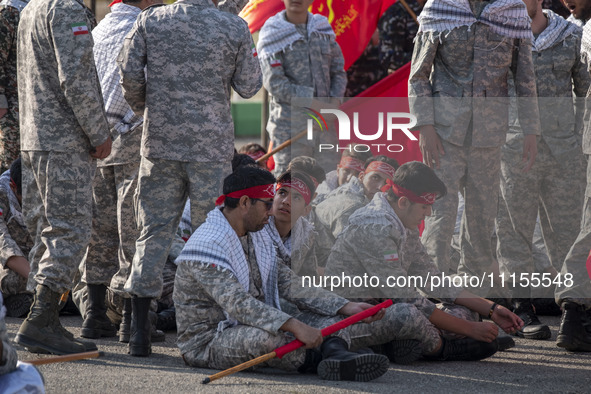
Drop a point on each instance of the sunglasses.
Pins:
(268, 204)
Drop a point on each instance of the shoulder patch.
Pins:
(391, 255)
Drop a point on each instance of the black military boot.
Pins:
(125, 326)
(572, 334)
(338, 363)
(96, 324)
(38, 331)
(139, 340)
(401, 351)
(533, 328)
(167, 319)
(465, 349)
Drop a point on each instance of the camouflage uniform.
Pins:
(9, 132)
(331, 216)
(397, 33)
(376, 243)
(552, 184)
(188, 135)
(465, 72)
(365, 72)
(312, 66)
(62, 118)
(205, 295)
(8, 356)
(14, 239)
(114, 229)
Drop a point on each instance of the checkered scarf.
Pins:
(18, 4)
(508, 18)
(278, 34)
(576, 21)
(15, 206)
(586, 42)
(300, 239)
(215, 243)
(558, 30)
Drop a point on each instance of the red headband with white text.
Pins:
(300, 186)
(425, 198)
(382, 167)
(262, 191)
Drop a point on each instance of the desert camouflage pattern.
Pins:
(162, 190)
(186, 107)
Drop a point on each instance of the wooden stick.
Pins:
(281, 147)
(241, 367)
(409, 10)
(66, 357)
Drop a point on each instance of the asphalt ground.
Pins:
(531, 366)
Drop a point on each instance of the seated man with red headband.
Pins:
(227, 290)
(382, 241)
(351, 165)
(331, 216)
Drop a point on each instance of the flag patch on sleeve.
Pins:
(391, 255)
(254, 51)
(79, 29)
(275, 62)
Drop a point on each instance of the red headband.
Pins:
(382, 167)
(256, 155)
(425, 198)
(351, 163)
(262, 191)
(298, 185)
(114, 2)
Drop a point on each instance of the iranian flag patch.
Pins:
(275, 62)
(79, 28)
(254, 51)
(391, 255)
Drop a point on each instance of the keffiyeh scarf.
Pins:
(18, 4)
(15, 206)
(215, 243)
(508, 18)
(278, 34)
(558, 30)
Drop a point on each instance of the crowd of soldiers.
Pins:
(126, 140)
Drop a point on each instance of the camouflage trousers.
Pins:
(575, 263)
(162, 190)
(11, 283)
(550, 188)
(9, 140)
(243, 343)
(57, 206)
(114, 228)
(474, 172)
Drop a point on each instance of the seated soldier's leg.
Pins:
(14, 290)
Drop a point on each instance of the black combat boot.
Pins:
(38, 332)
(402, 351)
(125, 326)
(572, 334)
(167, 319)
(139, 341)
(338, 363)
(533, 328)
(465, 349)
(96, 324)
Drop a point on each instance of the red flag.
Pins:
(353, 21)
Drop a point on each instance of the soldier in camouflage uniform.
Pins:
(382, 240)
(553, 183)
(15, 244)
(300, 58)
(187, 142)
(63, 129)
(331, 216)
(574, 296)
(227, 291)
(9, 131)
(398, 29)
(457, 82)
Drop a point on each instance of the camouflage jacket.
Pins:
(184, 92)
(312, 66)
(9, 17)
(397, 33)
(331, 216)
(376, 243)
(365, 72)
(560, 71)
(205, 295)
(14, 237)
(458, 83)
(60, 102)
